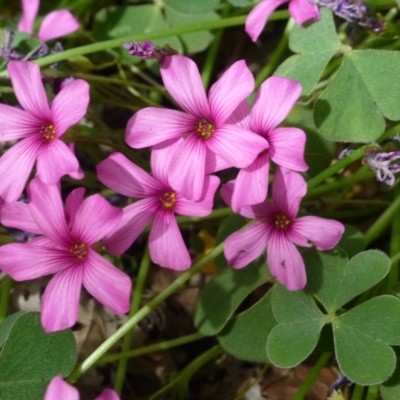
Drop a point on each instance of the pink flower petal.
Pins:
(60, 301)
(303, 10)
(47, 210)
(70, 105)
(244, 246)
(251, 184)
(161, 157)
(259, 15)
(323, 233)
(224, 100)
(215, 163)
(106, 283)
(73, 202)
(236, 146)
(27, 83)
(24, 261)
(15, 167)
(29, 11)
(79, 174)
(58, 389)
(18, 215)
(107, 394)
(241, 116)
(120, 174)
(226, 192)
(288, 189)
(286, 148)
(151, 126)
(182, 79)
(204, 205)
(54, 160)
(187, 168)
(56, 24)
(134, 220)
(95, 219)
(17, 124)
(166, 245)
(285, 262)
(273, 102)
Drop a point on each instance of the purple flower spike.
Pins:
(140, 49)
(380, 162)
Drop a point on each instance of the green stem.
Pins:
(276, 56)
(143, 312)
(212, 52)
(135, 305)
(382, 222)
(6, 286)
(357, 392)
(312, 376)
(151, 348)
(110, 44)
(372, 393)
(344, 162)
(218, 213)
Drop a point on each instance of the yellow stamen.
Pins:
(205, 128)
(282, 221)
(79, 251)
(48, 131)
(168, 200)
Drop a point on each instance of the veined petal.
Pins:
(135, 218)
(285, 262)
(106, 283)
(29, 11)
(15, 167)
(160, 160)
(72, 204)
(204, 205)
(59, 389)
(122, 175)
(166, 245)
(152, 125)
(244, 246)
(27, 83)
(224, 100)
(241, 116)
(226, 192)
(95, 219)
(215, 163)
(54, 160)
(286, 148)
(259, 15)
(48, 211)
(18, 215)
(24, 261)
(251, 184)
(70, 105)
(107, 394)
(79, 174)
(303, 10)
(187, 168)
(236, 146)
(323, 233)
(60, 301)
(288, 189)
(273, 101)
(182, 79)
(56, 24)
(17, 124)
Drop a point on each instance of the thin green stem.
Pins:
(135, 305)
(276, 56)
(372, 393)
(212, 52)
(358, 392)
(110, 44)
(382, 222)
(312, 376)
(396, 258)
(6, 286)
(143, 312)
(331, 170)
(151, 348)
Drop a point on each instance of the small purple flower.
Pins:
(140, 49)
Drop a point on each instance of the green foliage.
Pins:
(193, 7)
(30, 358)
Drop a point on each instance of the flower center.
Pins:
(79, 251)
(168, 200)
(205, 128)
(48, 131)
(282, 221)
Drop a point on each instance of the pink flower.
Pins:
(277, 230)
(158, 205)
(210, 142)
(58, 389)
(54, 25)
(65, 249)
(40, 127)
(300, 10)
(272, 104)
